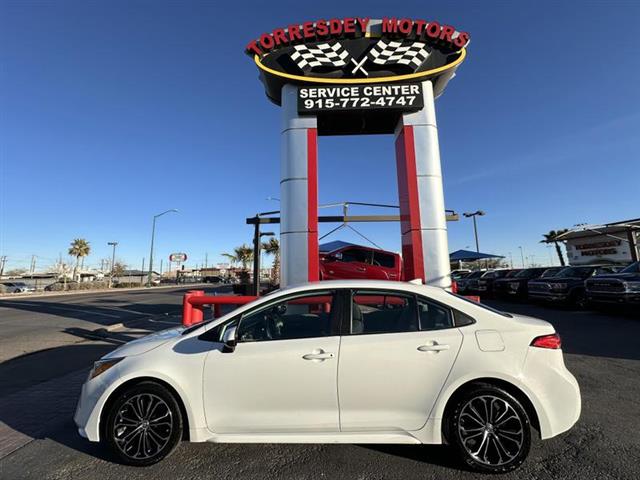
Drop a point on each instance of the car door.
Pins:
(351, 263)
(394, 360)
(384, 266)
(282, 375)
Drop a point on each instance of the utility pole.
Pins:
(32, 267)
(522, 256)
(206, 259)
(153, 235)
(3, 261)
(161, 266)
(113, 261)
(475, 227)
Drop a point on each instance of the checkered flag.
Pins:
(405, 53)
(320, 55)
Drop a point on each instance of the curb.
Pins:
(12, 296)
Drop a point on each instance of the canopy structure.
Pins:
(469, 256)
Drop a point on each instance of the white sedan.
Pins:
(338, 362)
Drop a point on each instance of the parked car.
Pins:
(517, 285)
(393, 362)
(567, 286)
(463, 283)
(213, 279)
(622, 287)
(358, 262)
(18, 287)
(484, 286)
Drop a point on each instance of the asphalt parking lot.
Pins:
(38, 393)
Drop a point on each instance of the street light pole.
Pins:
(475, 227)
(113, 259)
(153, 235)
(522, 256)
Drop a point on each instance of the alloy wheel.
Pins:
(491, 430)
(143, 426)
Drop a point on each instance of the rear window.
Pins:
(384, 260)
(481, 305)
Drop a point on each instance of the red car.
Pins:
(341, 260)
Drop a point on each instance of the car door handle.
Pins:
(435, 347)
(318, 355)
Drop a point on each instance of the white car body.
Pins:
(373, 388)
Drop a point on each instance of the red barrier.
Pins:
(194, 302)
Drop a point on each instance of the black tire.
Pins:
(499, 449)
(579, 299)
(144, 424)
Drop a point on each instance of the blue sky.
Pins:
(113, 111)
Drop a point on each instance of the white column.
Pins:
(424, 225)
(298, 193)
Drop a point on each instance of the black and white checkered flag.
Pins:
(405, 53)
(320, 55)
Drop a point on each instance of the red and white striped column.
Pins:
(425, 249)
(298, 193)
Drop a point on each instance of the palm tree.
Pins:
(232, 258)
(552, 237)
(79, 248)
(272, 247)
(244, 255)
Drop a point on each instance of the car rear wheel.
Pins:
(490, 430)
(144, 424)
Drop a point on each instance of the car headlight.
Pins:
(102, 366)
(632, 286)
(558, 286)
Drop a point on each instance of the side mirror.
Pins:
(229, 339)
(337, 257)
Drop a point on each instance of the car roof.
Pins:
(365, 284)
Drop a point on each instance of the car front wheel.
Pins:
(144, 424)
(490, 430)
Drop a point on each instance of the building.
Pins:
(614, 243)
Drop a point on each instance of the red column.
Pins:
(410, 225)
(312, 205)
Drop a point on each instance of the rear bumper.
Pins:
(555, 390)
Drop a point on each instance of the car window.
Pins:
(383, 312)
(433, 316)
(384, 260)
(304, 316)
(356, 255)
(633, 268)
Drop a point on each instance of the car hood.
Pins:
(618, 276)
(145, 344)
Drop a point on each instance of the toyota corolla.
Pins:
(338, 362)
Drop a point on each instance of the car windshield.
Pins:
(481, 305)
(578, 272)
(633, 268)
(528, 273)
(551, 272)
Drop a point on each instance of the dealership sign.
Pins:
(178, 257)
(356, 51)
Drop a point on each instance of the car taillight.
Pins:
(547, 341)
(454, 286)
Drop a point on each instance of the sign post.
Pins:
(361, 76)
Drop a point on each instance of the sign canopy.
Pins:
(356, 51)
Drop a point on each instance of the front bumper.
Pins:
(622, 298)
(93, 396)
(549, 296)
